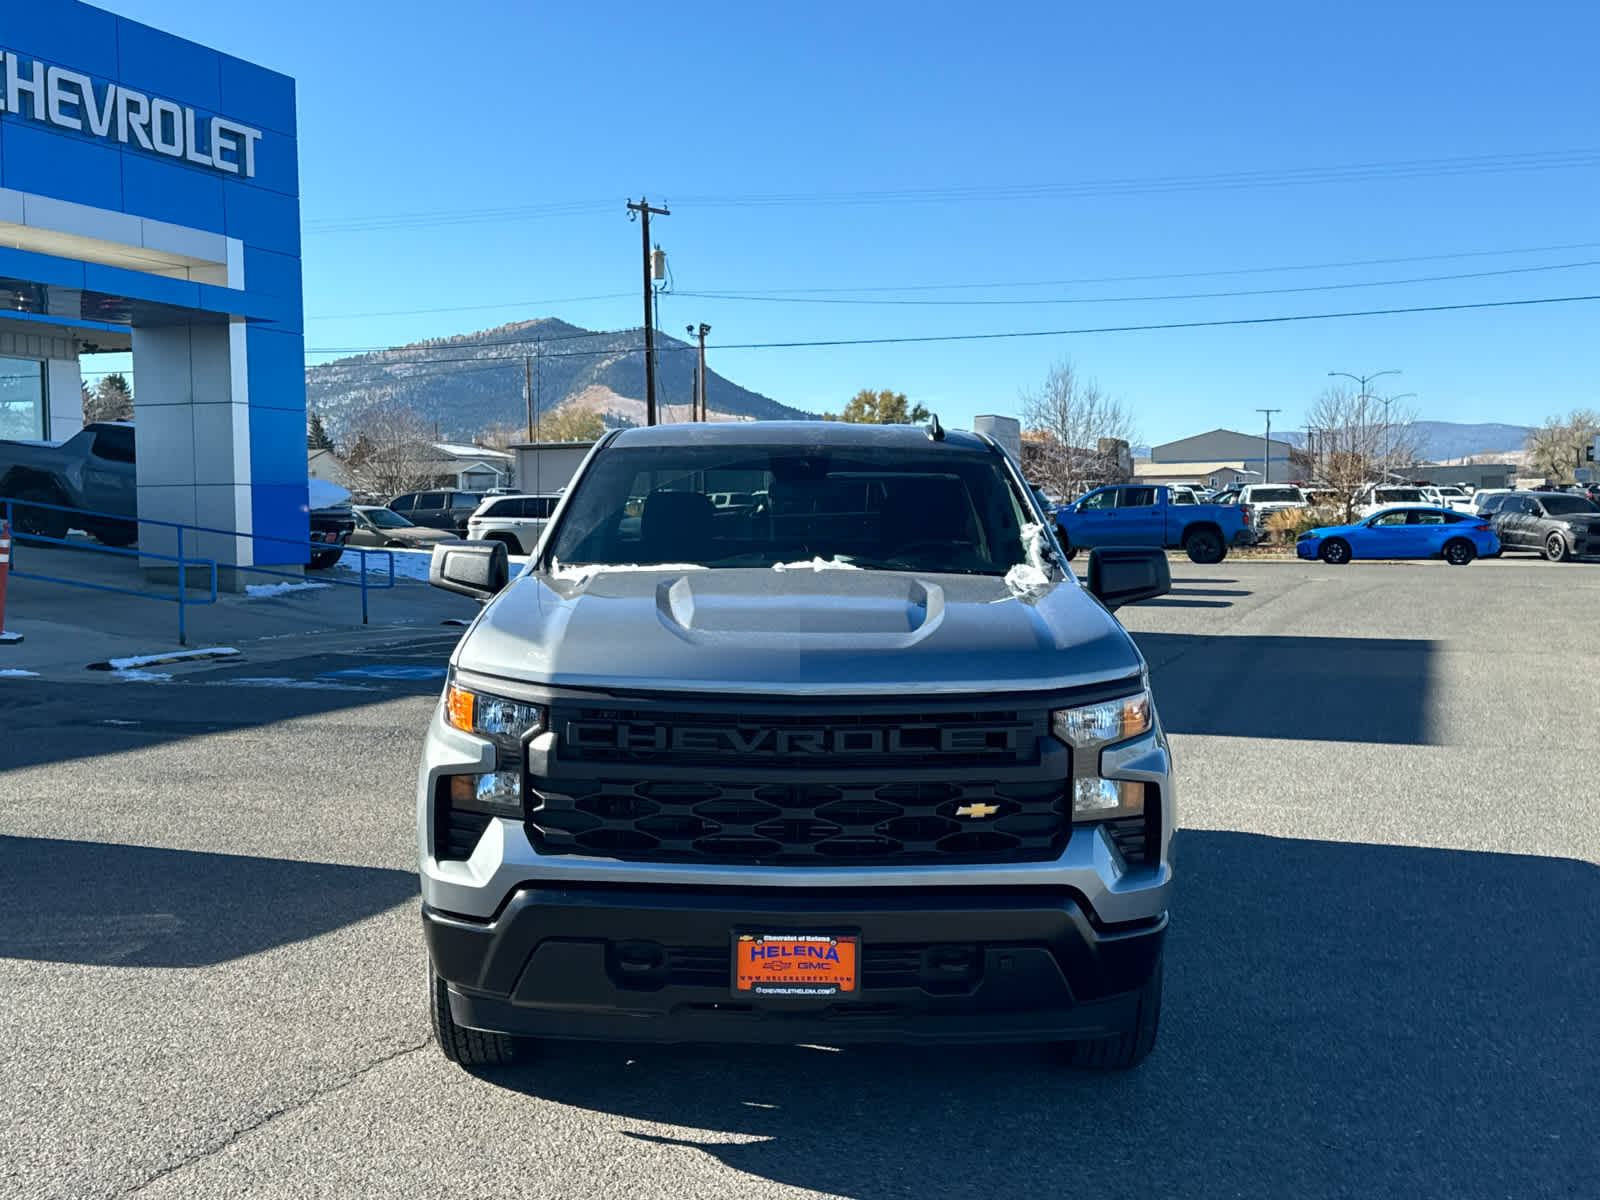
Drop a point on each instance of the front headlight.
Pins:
(1088, 729)
(503, 721)
(1096, 725)
(508, 724)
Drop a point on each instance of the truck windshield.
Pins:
(856, 506)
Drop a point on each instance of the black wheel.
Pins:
(117, 533)
(321, 560)
(1068, 550)
(1204, 546)
(1121, 1051)
(507, 540)
(1458, 552)
(1335, 552)
(466, 1047)
(1556, 548)
(37, 522)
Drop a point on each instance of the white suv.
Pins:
(518, 521)
(1265, 499)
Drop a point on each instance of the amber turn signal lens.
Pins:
(458, 708)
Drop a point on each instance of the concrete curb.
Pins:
(157, 660)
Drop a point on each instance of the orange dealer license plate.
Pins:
(795, 964)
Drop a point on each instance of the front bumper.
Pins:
(938, 964)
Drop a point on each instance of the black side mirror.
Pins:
(1121, 575)
(478, 569)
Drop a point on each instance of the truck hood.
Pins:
(808, 631)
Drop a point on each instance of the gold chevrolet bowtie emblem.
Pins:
(977, 810)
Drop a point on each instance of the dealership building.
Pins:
(149, 202)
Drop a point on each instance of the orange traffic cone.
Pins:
(6, 639)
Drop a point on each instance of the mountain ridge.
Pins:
(468, 384)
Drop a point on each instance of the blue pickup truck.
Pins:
(1145, 515)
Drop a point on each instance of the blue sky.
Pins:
(917, 150)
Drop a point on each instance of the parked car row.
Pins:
(1559, 526)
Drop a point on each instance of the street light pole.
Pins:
(1266, 445)
(1361, 399)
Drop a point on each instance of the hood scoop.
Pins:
(829, 609)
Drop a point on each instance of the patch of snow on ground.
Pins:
(145, 660)
(259, 590)
(137, 676)
(15, 673)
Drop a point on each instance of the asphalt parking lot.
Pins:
(1381, 980)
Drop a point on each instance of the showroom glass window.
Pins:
(22, 409)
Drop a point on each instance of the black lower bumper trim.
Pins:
(653, 965)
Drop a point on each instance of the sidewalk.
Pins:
(66, 628)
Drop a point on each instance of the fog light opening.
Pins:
(1097, 799)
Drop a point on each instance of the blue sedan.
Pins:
(1413, 531)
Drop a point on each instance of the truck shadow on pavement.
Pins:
(104, 904)
(1339, 1020)
(1342, 689)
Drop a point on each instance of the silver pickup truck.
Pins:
(860, 761)
(92, 470)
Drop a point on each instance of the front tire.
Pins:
(1123, 1051)
(1068, 550)
(1556, 548)
(1335, 552)
(38, 522)
(466, 1047)
(1205, 546)
(1458, 552)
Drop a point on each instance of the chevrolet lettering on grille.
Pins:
(781, 741)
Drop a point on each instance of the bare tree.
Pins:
(1354, 440)
(1076, 434)
(568, 423)
(1557, 446)
(390, 450)
(1345, 440)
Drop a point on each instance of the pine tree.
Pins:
(317, 434)
(111, 400)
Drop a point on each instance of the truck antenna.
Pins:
(935, 430)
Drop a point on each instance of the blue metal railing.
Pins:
(184, 561)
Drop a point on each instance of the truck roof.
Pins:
(911, 438)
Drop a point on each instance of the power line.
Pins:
(418, 312)
(1167, 325)
(1542, 160)
(1325, 266)
(1136, 185)
(1284, 291)
(1038, 333)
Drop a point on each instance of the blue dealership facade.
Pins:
(149, 201)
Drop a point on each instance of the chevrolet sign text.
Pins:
(71, 100)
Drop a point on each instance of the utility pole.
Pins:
(700, 411)
(642, 212)
(1266, 445)
(527, 389)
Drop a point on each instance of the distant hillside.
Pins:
(1437, 440)
(474, 382)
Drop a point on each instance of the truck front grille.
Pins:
(802, 823)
